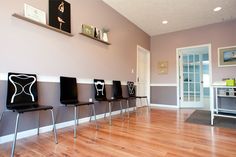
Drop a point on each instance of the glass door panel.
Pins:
(191, 82)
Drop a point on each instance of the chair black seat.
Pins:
(84, 103)
(105, 99)
(32, 108)
(75, 103)
(125, 98)
(141, 97)
(132, 97)
(69, 102)
(122, 98)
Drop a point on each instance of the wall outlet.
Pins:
(90, 100)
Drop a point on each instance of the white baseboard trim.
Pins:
(163, 84)
(33, 132)
(164, 106)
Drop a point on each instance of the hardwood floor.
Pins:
(161, 133)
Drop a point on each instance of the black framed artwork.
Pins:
(59, 15)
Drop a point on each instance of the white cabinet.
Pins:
(224, 102)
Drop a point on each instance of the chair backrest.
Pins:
(68, 90)
(21, 90)
(117, 90)
(99, 89)
(131, 89)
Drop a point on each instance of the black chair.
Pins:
(69, 97)
(132, 93)
(117, 94)
(100, 95)
(22, 97)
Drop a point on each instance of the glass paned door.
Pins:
(191, 80)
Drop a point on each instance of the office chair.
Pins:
(132, 93)
(22, 97)
(100, 95)
(69, 98)
(117, 94)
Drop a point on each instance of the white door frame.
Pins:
(210, 70)
(148, 71)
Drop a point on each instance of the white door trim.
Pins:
(210, 70)
(148, 72)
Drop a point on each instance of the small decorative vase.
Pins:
(105, 37)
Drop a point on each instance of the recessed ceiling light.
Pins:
(164, 22)
(217, 9)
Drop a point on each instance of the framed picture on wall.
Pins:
(227, 56)
(34, 14)
(59, 15)
(163, 67)
(88, 30)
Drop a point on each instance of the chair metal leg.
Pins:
(94, 114)
(54, 127)
(91, 114)
(121, 110)
(110, 113)
(1, 116)
(105, 114)
(148, 105)
(15, 135)
(135, 107)
(38, 123)
(127, 107)
(75, 117)
(140, 100)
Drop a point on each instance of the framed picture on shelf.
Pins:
(60, 15)
(88, 30)
(34, 14)
(227, 56)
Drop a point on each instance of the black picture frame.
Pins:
(60, 15)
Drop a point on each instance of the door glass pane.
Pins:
(190, 58)
(191, 77)
(197, 87)
(185, 67)
(185, 87)
(185, 59)
(185, 96)
(196, 58)
(191, 97)
(197, 77)
(197, 68)
(191, 87)
(205, 68)
(191, 68)
(205, 57)
(185, 77)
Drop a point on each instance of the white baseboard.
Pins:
(164, 106)
(33, 132)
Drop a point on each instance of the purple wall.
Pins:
(29, 48)
(53, 54)
(163, 48)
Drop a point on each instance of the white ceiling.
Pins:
(181, 14)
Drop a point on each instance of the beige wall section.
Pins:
(29, 48)
(163, 48)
